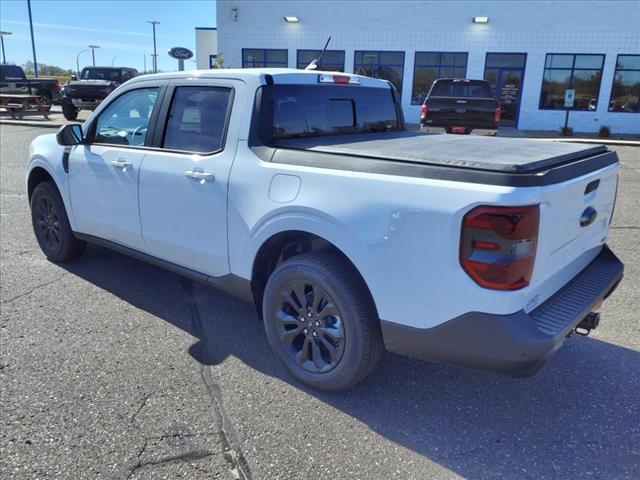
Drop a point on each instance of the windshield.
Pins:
(461, 89)
(294, 111)
(110, 74)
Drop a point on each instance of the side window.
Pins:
(126, 119)
(197, 119)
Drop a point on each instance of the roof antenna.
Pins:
(314, 63)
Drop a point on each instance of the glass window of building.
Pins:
(261, 58)
(332, 60)
(385, 65)
(429, 66)
(581, 73)
(625, 92)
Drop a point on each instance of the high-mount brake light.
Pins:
(496, 115)
(340, 79)
(498, 245)
(424, 112)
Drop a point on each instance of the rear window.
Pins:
(295, 111)
(12, 72)
(110, 74)
(459, 89)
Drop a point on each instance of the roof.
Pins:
(280, 75)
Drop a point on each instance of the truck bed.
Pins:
(506, 155)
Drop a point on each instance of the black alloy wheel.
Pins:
(310, 326)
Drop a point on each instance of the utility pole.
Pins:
(2, 34)
(155, 53)
(33, 42)
(144, 57)
(93, 52)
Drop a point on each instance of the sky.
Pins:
(62, 29)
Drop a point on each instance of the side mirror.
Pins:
(70, 134)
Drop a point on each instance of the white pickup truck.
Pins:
(303, 192)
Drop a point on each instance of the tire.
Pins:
(45, 98)
(342, 316)
(69, 111)
(51, 225)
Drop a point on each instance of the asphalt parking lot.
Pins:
(111, 368)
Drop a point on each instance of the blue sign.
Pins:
(180, 53)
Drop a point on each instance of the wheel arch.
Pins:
(290, 242)
(37, 175)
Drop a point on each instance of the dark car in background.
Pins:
(93, 86)
(460, 106)
(13, 81)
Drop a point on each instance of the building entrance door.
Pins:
(505, 73)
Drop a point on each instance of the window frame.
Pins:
(163, 122)
(343, 52)
(379, 65)
(264, 51)
(153, 119)
(573, 69)
(613, 81)
(439, 67)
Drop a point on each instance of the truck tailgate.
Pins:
(574, 221)
(469, 112)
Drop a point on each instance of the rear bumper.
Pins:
(471, 130)
(517, 344)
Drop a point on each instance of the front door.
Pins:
(103, 174)
(505, 73)
(183, 183)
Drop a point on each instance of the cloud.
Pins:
(57, 26)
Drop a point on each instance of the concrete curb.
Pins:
(28, 123)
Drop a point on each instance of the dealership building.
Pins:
(532, 52)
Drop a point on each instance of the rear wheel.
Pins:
(45, 99)
(51, 225)
(321, 322)
(69, 111)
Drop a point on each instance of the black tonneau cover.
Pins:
(492, 154)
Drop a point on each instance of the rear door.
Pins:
(183, 182)
(13, 81)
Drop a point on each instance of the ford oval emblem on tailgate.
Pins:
(461, 110)
(588, 216)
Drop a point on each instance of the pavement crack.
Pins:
(142, 405)
(185, 457)
(630, 227)
(28, 292)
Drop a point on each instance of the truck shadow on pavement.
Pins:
(577, 418)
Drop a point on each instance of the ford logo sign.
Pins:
(588, 216)
(180, 53)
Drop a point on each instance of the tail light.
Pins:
(339, 79)
(423, 112)
(496, 115)
(498, 245)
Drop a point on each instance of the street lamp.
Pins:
(93, 52)
(113, 60)
(155, 54)
(33, 41)
(2, 34)
(78, 60)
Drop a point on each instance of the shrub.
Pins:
(566, 131)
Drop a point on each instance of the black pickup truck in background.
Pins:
(460, 106)
(93, 86)
(13, 81)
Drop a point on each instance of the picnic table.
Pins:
(18, 104)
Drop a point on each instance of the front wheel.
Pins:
(51, 225)
(321, 322)
(69, 111)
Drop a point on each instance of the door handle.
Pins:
(200, 175)
(122, 164)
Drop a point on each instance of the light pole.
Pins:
(78, 60)
(155, 54)
(2, 34)
(93, 52)
(33, 42)
(113, 60)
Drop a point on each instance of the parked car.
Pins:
(13, 81)
(93, 86)
(460, 106)
(304, 193)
